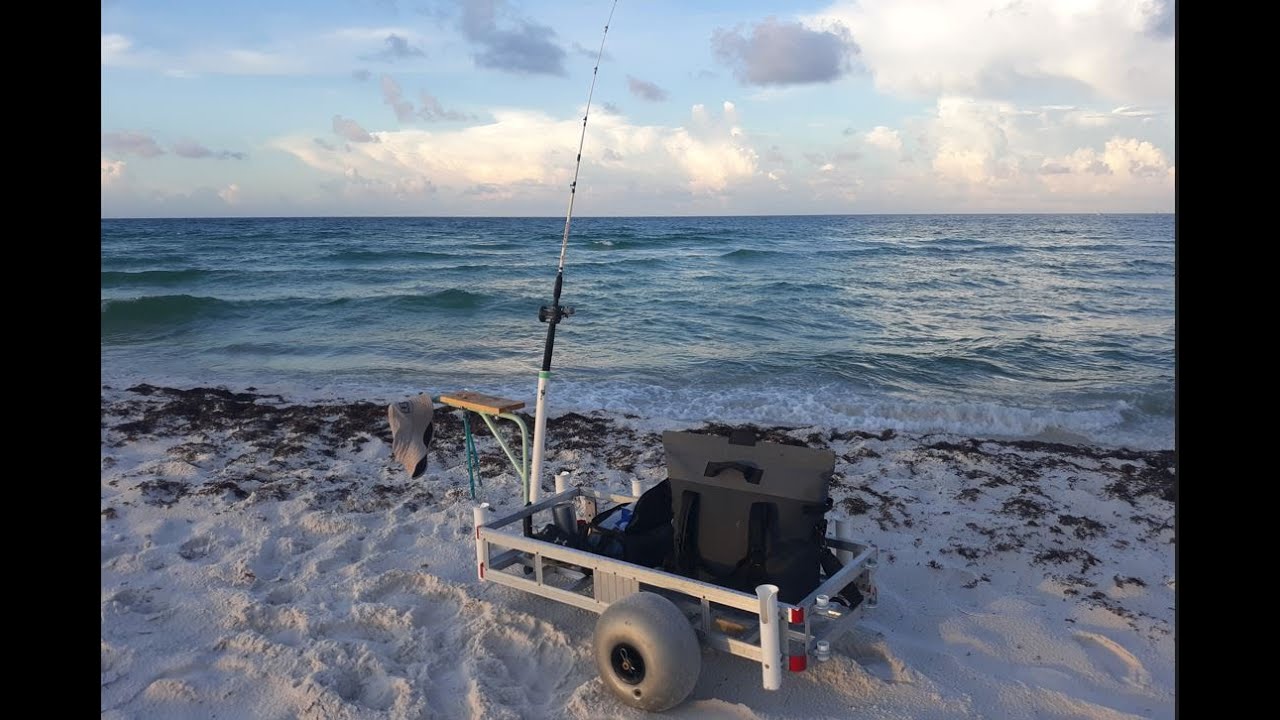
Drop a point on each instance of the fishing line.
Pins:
(553, 314)
(573, 186)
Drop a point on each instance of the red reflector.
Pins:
(797, 663)
(795, 615)
(481, 571)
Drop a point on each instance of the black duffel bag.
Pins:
(646, 539)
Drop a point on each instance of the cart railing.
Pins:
(740, 623)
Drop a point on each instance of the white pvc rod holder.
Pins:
(770, 637)
(636, 488)
(539, 437)
(480, 515)
(562, 482)
(844, 529)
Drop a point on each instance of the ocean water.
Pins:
(987, 325)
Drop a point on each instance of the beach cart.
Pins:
(652, 624)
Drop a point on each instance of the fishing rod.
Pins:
(553, 314)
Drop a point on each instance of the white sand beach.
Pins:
(266, 558)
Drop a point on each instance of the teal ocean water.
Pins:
(986, 325)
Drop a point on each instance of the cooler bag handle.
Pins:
(750, 473)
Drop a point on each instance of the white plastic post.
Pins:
(873, 562)
(585, 507)
(636, 488)
(539, 438)
(480, 516)
(770, 637)
(563, 513)
(843, 528)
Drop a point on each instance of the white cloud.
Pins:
(1131, 111)
(971, 141)
(967, 155)
(230, 194)
(1125, 164)
(1119, 49)
(973, 155)
(1136, 158)
(120, 51)
(709, 166)
(991, 156)
(163, 200)
(238, 61)
(115, 48)
(112, 172)
(534, 151)
(883, 138)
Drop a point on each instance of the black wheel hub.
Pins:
(627, 663)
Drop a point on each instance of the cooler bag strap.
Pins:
(761, 522)
(758, 527)
(686, 540)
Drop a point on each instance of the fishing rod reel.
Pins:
(554, 313)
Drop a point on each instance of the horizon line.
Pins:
(598, 217)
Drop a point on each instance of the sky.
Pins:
(733, 107)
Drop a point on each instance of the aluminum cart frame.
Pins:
(757, 627)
